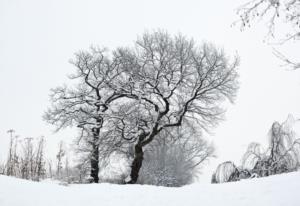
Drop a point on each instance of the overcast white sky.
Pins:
(38, 37)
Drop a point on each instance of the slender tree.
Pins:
(40, 170)
(59, 156)
(85, 104)
(10, 160)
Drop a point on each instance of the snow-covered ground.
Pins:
(271, 191)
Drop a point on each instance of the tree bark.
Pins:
(136, 164)
(95, 156)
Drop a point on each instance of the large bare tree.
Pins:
(167, 81)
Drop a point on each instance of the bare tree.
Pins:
(50, 170)
(10, 165)
(2, 168)
(85, 104)
(27, 166)
(67, 169)
(276, 12)
(167, 81)
(59, 157)
(175, 157)
(40, 170)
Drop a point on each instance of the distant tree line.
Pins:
(25, 158)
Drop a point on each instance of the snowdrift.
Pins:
(270, 191)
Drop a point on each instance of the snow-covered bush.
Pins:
(228, 172)
(282, 155)
(225, 172)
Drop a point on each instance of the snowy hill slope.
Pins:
(271, 191)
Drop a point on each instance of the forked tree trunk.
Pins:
(136, 164)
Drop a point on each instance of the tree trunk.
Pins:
(136, 164)
(95, 156)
